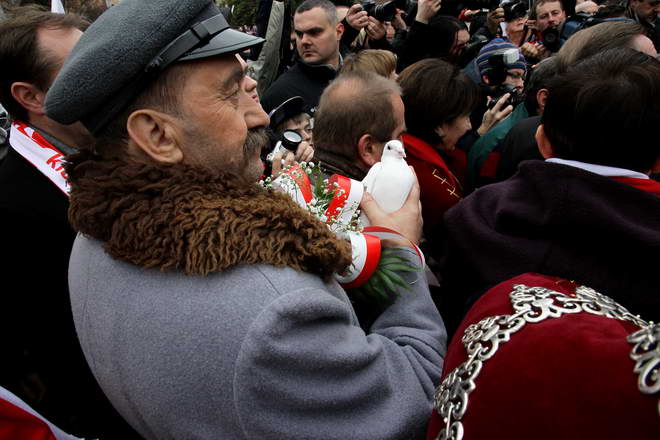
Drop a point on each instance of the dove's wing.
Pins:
(370, 179)
(393, 184)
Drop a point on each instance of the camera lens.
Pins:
(290, 140)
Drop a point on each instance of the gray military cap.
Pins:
(127, 47)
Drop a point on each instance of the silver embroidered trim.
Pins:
(533, 305)
(646, 354)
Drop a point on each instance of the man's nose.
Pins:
(255, 116)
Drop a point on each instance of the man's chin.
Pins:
(311, 59)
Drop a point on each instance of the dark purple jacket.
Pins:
(556, 220)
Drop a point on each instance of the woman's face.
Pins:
(452, 131)
(462, 38)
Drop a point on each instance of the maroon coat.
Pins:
(548, 359)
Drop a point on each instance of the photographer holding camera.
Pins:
(290, 134)
(546, 21)
(502, 69)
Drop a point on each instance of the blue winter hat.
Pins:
(499, 46)
(128, 47)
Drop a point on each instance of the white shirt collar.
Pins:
(599, 169)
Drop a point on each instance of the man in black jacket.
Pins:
(42, 361)
(318, 33)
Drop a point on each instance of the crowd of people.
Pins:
(154, 290)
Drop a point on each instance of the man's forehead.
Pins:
(59, 41)
(549, 6)
(222, 71)
(307, 20)
(235, 71)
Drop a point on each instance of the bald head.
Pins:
(355, 104)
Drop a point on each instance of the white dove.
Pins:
(390, 180)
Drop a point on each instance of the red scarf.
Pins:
(646, 185)
(425, 152)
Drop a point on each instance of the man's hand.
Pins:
(493, 116)
(375, 29)
(398, 22)
(493, 19)
(357, 17)
(536, 51)
(281, 162)
(426, 10)
(305, 152)
(407, 221)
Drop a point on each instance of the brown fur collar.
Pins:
(196, 221)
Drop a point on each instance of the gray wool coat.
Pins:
(253, 352)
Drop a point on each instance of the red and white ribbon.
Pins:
(40, 153)
(342, 208)
(365, 254)
(295, 182)
(19, 420)
(366, 250)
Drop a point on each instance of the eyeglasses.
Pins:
(516, 75)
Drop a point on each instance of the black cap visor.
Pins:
(226, 42)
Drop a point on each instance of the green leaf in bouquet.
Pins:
(385, 280)
(402, 267)
(385, 284)
(395, 278)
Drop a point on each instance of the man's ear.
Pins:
(485, 80)
(156, 134)
(541, 98)
(29, 96)
(340, 30)
(545, 147)
(369, 150)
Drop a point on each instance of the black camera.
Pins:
(499, 65)
(513, 100)
(287, 141)
(551, 38)
(384, 11)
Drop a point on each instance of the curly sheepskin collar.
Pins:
(193, 220)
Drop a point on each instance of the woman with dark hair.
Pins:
(438, 99)
(442, 37)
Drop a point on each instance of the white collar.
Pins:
(599, 169)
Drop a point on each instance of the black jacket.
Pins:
(518, 145)
(301, 80)
(40, 338)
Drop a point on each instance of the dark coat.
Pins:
(518, 145)
(555, 220)
(40, 338)
(301, 80)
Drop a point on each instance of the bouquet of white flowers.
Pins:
(372, 275)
